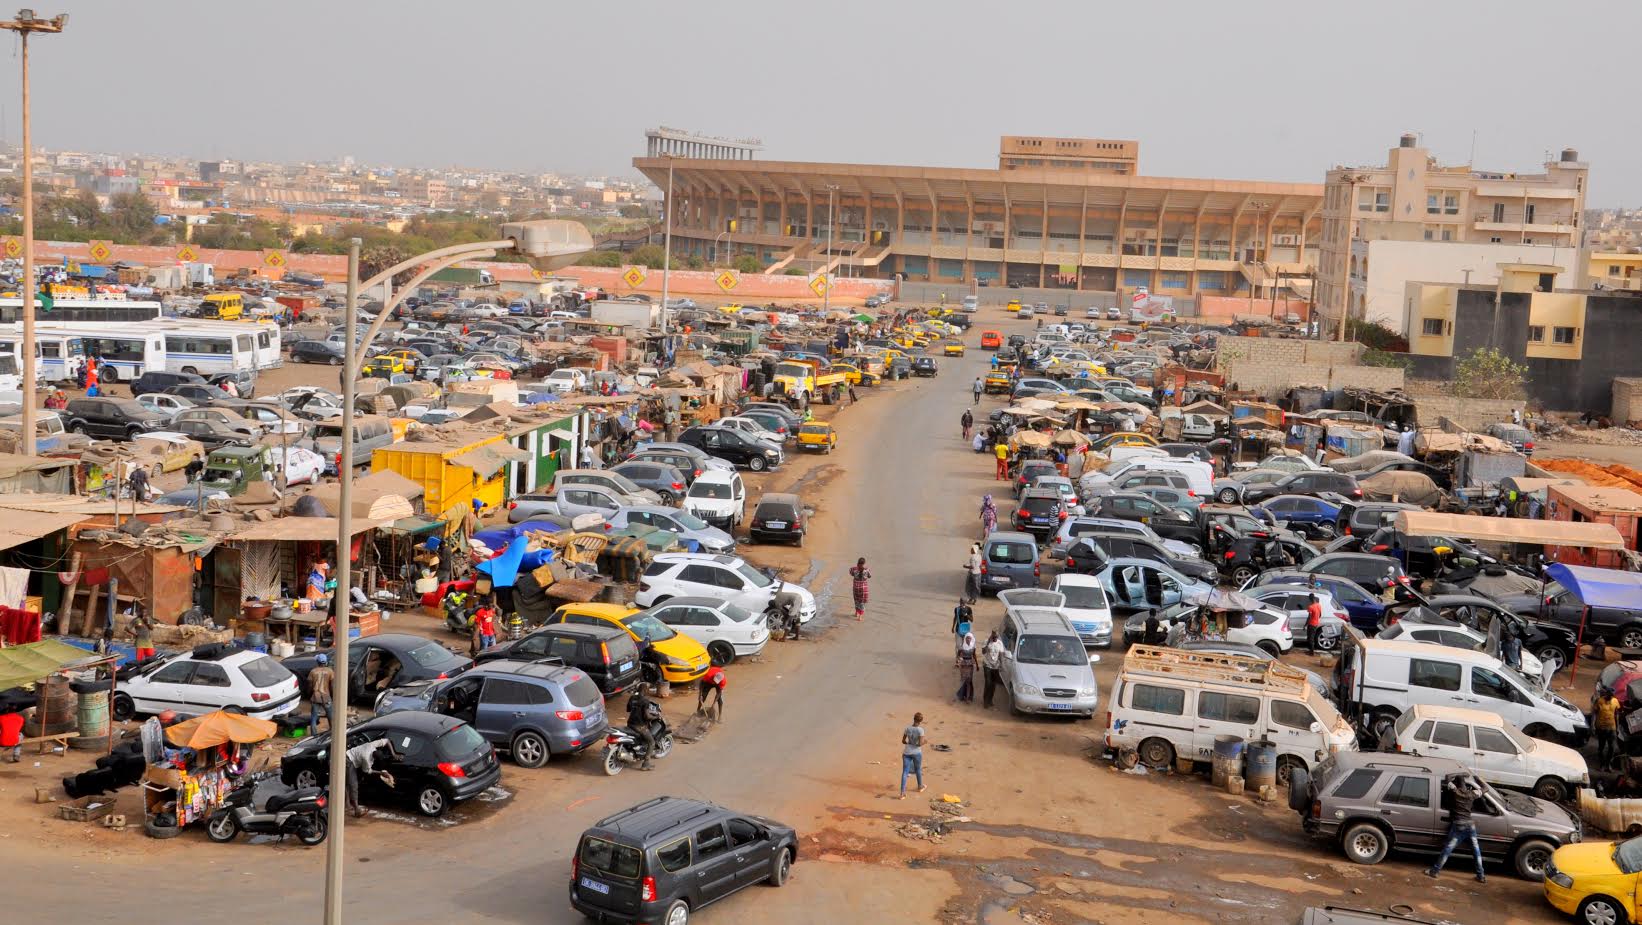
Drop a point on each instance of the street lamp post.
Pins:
(667, 244)
(23, 25)
(716, 252)
(826, 294)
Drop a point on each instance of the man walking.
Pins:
(1604, 722)
(320, 681)
(1462, 795)
(142, 633)
(1314, 624)
(991, 668)
(976, 388)
(968, 422)
(1001, 451)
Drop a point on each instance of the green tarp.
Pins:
(28, 663)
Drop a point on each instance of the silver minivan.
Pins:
(1045, 667)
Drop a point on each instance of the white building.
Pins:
(1381, 268)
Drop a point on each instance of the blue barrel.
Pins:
(1262, 764)
(257, 641)
(1227, 760)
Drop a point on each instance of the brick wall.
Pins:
(1470, 413)
(1627, 399)
(1286, 351)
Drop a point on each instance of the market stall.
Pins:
(195, 766)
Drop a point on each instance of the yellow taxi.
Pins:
(682, 658)
(1596, 881)
(817, 435)
(405, 356)
(855, 375)
(1013, 306)
(383, 364)
(1122, 438)
(996, 381)
(953, 348)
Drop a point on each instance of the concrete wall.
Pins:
(1469, 413)
(1213, 308)
(1280, 351)
(1627, 399)
(1272, 380)
(1394, 264)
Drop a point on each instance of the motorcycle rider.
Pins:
(640, 712)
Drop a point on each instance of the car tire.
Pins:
(1227, 496)
(1365, 843)
(1381, 724)
(1289, 767)
(1551, 655)
(431, 801)
(305, 778)
(1269, 647)
(1157, 754)
(78, 429)
(1298, 784)
(529, 750)
(1631, 636)
(677, 914)
(334, 361)
(1600, 910)
(1551, 789)
(756, 464)
(781, 870)
(1241, 575)
(667, 497)
(722, 653)
(124, 707)
(1531, 858)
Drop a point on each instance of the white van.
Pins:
(1375, 680)
(1169, 703)
(718, 497)
(1199, 475)
(1497, 751)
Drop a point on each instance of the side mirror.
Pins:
(1094, 658)
(1316, 727)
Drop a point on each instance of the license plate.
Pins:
(776, 524)
(1004, 581)
(626, 666)
(1060, 706)
(595, 886)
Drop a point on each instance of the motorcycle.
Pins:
(283, 811)
(781, 613)
(622, 747)
(459, 612)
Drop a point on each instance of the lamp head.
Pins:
(549, 244)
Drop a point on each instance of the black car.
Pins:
(317, 351)
(778, 517)
(437, 761)
(157, 381)
(1167, 522)
(1039, 512)
(210, 433)
(378, 662)
(1375, 573)
(111, 418)
(1561, 607)
(666, 858)
(924, 366)
(732, 446)
(201, 394)
(1089, 554)
(606, 653)
(1362, 519)
(1315, 482)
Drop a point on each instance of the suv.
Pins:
(1088, 555)
(216, 676)
(666, 858)
(607, 653)
(778, 517)
(688, 460)
(718, 497)
(724, 578)
(1029, 472)
(662, 478)
(532, 710)
(1305, 483)
(157, 381)
(1371, 802)
(1039, 512)
(116, 418)
(733, 446)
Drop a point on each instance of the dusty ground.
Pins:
(1055, 836)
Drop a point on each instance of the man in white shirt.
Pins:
(361, 759)
(991, 667)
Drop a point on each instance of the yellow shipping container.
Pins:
(452, 475)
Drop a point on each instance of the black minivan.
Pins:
(606, 653)
(666, 858)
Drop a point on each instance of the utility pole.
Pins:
(667, 244)
(341, 600)
(826, 294)
(23, 25)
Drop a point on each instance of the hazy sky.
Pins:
(1249, 90)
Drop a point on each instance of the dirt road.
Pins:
(812, 739)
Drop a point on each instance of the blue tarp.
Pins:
(504, 569)
(1599, 587)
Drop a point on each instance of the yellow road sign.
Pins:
(536, 274)
(187, 254)
(99, 250)
(273, 259)
(727, 280)
(14, 247)
(634, 277)
(819, 284)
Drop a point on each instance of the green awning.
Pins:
(28, 663)
(863, 318)
(412, 526)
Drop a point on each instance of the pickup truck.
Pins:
(807, 378)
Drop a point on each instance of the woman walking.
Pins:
(989, 516)
(968, 421)
(912, 754)
(859, 576)
(966, 669)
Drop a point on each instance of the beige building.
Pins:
(1413, 198)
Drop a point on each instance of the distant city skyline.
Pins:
(1279, 90)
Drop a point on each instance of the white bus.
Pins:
(191, 348)
(265, 339)
(11, 339)
(93, 311)
(123, 352)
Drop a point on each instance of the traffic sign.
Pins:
(100, 251)
(634, 277)
(14, 247)
(536, 274)
(273, 259)
(727, 280)
(187, 254)
(819, 284)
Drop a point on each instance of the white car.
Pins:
(718, 497)
(750, 427)
(1293, 600)
(1086, 607)
(301, 466)
(1462, 637)
(1266, 628)
(487, 310)
(723, 578)
(1094, 311)
(565, 381)
(1497, 751)
(211, 677)
(162, 403)
(728, 631)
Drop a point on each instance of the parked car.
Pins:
(1084, 602)
(719, 497)
(688, 460)
(1305, 483)
(924, 366)
(111, 418)
(1314, 517)
(686, 526)
(217, 676)
(1411, 628)
(1365, 610)
(436, 761)
(682, 659)
(733, 446)
(665, 480)
(606, 653)
(1596, 881)
(728, 578)
(622, 487)
(155, 380)
(1233, 489)
(727, 630)
(330, 353)
(1494, 749)
(569, 501)
(1520, 438)
(1559, 606)
(1376, 573)
(1039, 512)
(1045, 666)
(1008, 560)
(1295, 602)
(376, 663)
(778, 517)
(1089, 555)
(667, 858)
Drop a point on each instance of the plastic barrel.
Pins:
(1262, 764)
(1227, 761)
(94, 721)
(257, 641)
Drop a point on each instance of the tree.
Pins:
(131, 214)
(747, 263)
(83, 208)
(694, 262)
(647, 255)
(1487, 373)
(603, 259)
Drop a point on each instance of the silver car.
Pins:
(1045, 666)
(687, 526)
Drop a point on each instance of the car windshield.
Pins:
(1628, 855)
(461, 743)
(1050, 650)
(757, 578)
(430, 655)
(648, 628)
(1084, 597)
(264, 672)
(1019, 553)
(715, 490)
(689, 520)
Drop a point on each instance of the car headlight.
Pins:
(1087, 692)
(1559, 878)
(771, 453)
(672, 662)
(1028, 690)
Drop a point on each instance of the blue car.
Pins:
(1314, 517)
(1365, 609)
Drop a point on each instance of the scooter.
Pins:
(459, 612)
(284, 811)
(622, 747)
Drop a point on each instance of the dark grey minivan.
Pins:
(664, 859)
(1008, 560)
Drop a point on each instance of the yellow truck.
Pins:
(807, 379)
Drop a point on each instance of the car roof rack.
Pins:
(215, 651)
(1241, 670)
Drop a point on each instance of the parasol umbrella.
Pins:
(1030, 438)
(214, 729)
(1070, 438)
